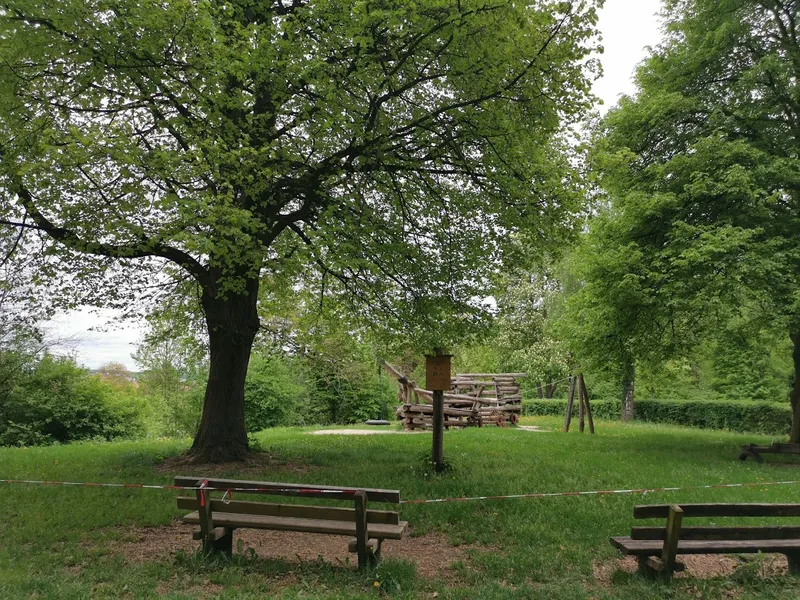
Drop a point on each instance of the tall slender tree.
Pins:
(390, 145)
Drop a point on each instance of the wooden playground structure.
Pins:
(474, 400)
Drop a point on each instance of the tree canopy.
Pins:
(701, 173)
(381, 147)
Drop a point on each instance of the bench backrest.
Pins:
(661, 511)
(290, 489)
(303, 511)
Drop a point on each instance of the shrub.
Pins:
(272, 393)
(57, 401)
(770, 418)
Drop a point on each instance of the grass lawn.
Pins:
(59, 542)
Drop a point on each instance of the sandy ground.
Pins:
(358, 431)
(432, 553)
(699, 566)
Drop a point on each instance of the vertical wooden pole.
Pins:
(673, 534)
(438, 431)
(585, 395)
(570, 402)
(361, 529)
(579, 391)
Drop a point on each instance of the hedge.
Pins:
(769, 418)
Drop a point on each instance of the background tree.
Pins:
(388, 145)
(702, 171)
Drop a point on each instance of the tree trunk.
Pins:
(232, 321)
(794, 398)
(628, 380)
(550, 390)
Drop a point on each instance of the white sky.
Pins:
(627, 27)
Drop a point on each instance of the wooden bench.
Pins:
(755, 451)
(656, 548)
(219, 517)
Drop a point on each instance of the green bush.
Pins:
(57, 401)
(273, 392)
(769, 418)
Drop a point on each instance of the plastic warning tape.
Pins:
(181, 487)
(350, 492)
(600, 492)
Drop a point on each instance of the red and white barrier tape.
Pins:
(350, 492)
(601, 492)
(182, 487)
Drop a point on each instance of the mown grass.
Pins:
(57, 540)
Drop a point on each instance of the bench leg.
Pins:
(364, 561)
(794, 563)
(645, 569)
(222, 544)
(374, 556)
(749, 451)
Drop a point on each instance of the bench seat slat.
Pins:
(290, 510)
(376, 530)
(660, 511)
(719, 533)
(291, 489)
(653, 547)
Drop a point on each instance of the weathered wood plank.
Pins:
(720, 533)
(306, 490)
(332, 513)
(375, 530)
(660, 511)
(669, 549)
(654, 547)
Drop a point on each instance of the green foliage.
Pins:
(345, 387)
(273, 393)
(56, 401)
(769, 418)
(171, 380)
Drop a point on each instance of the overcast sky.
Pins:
(627, 27)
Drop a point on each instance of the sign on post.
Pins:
(437, 379)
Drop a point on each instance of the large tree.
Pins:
(390, 145)
(702, 167)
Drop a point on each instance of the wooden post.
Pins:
(579, 391)
(673, 534)
(438, 431)
(437, 379)
(570, 402)
(585, 395)
(361, 529)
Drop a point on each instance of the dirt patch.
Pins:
(432, 553)
(359, 432)
(534, 428)
(257, 464)
(205, 590)
(698, 566)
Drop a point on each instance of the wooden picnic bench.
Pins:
(755, 451)
(219, 517)
(656, 548)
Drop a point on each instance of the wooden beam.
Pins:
(720, 533)
(671, 538)
(305, 490)
(333, 513)
(661, 511)
(570, 401)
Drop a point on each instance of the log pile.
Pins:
(475, 399)
(501, 389)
